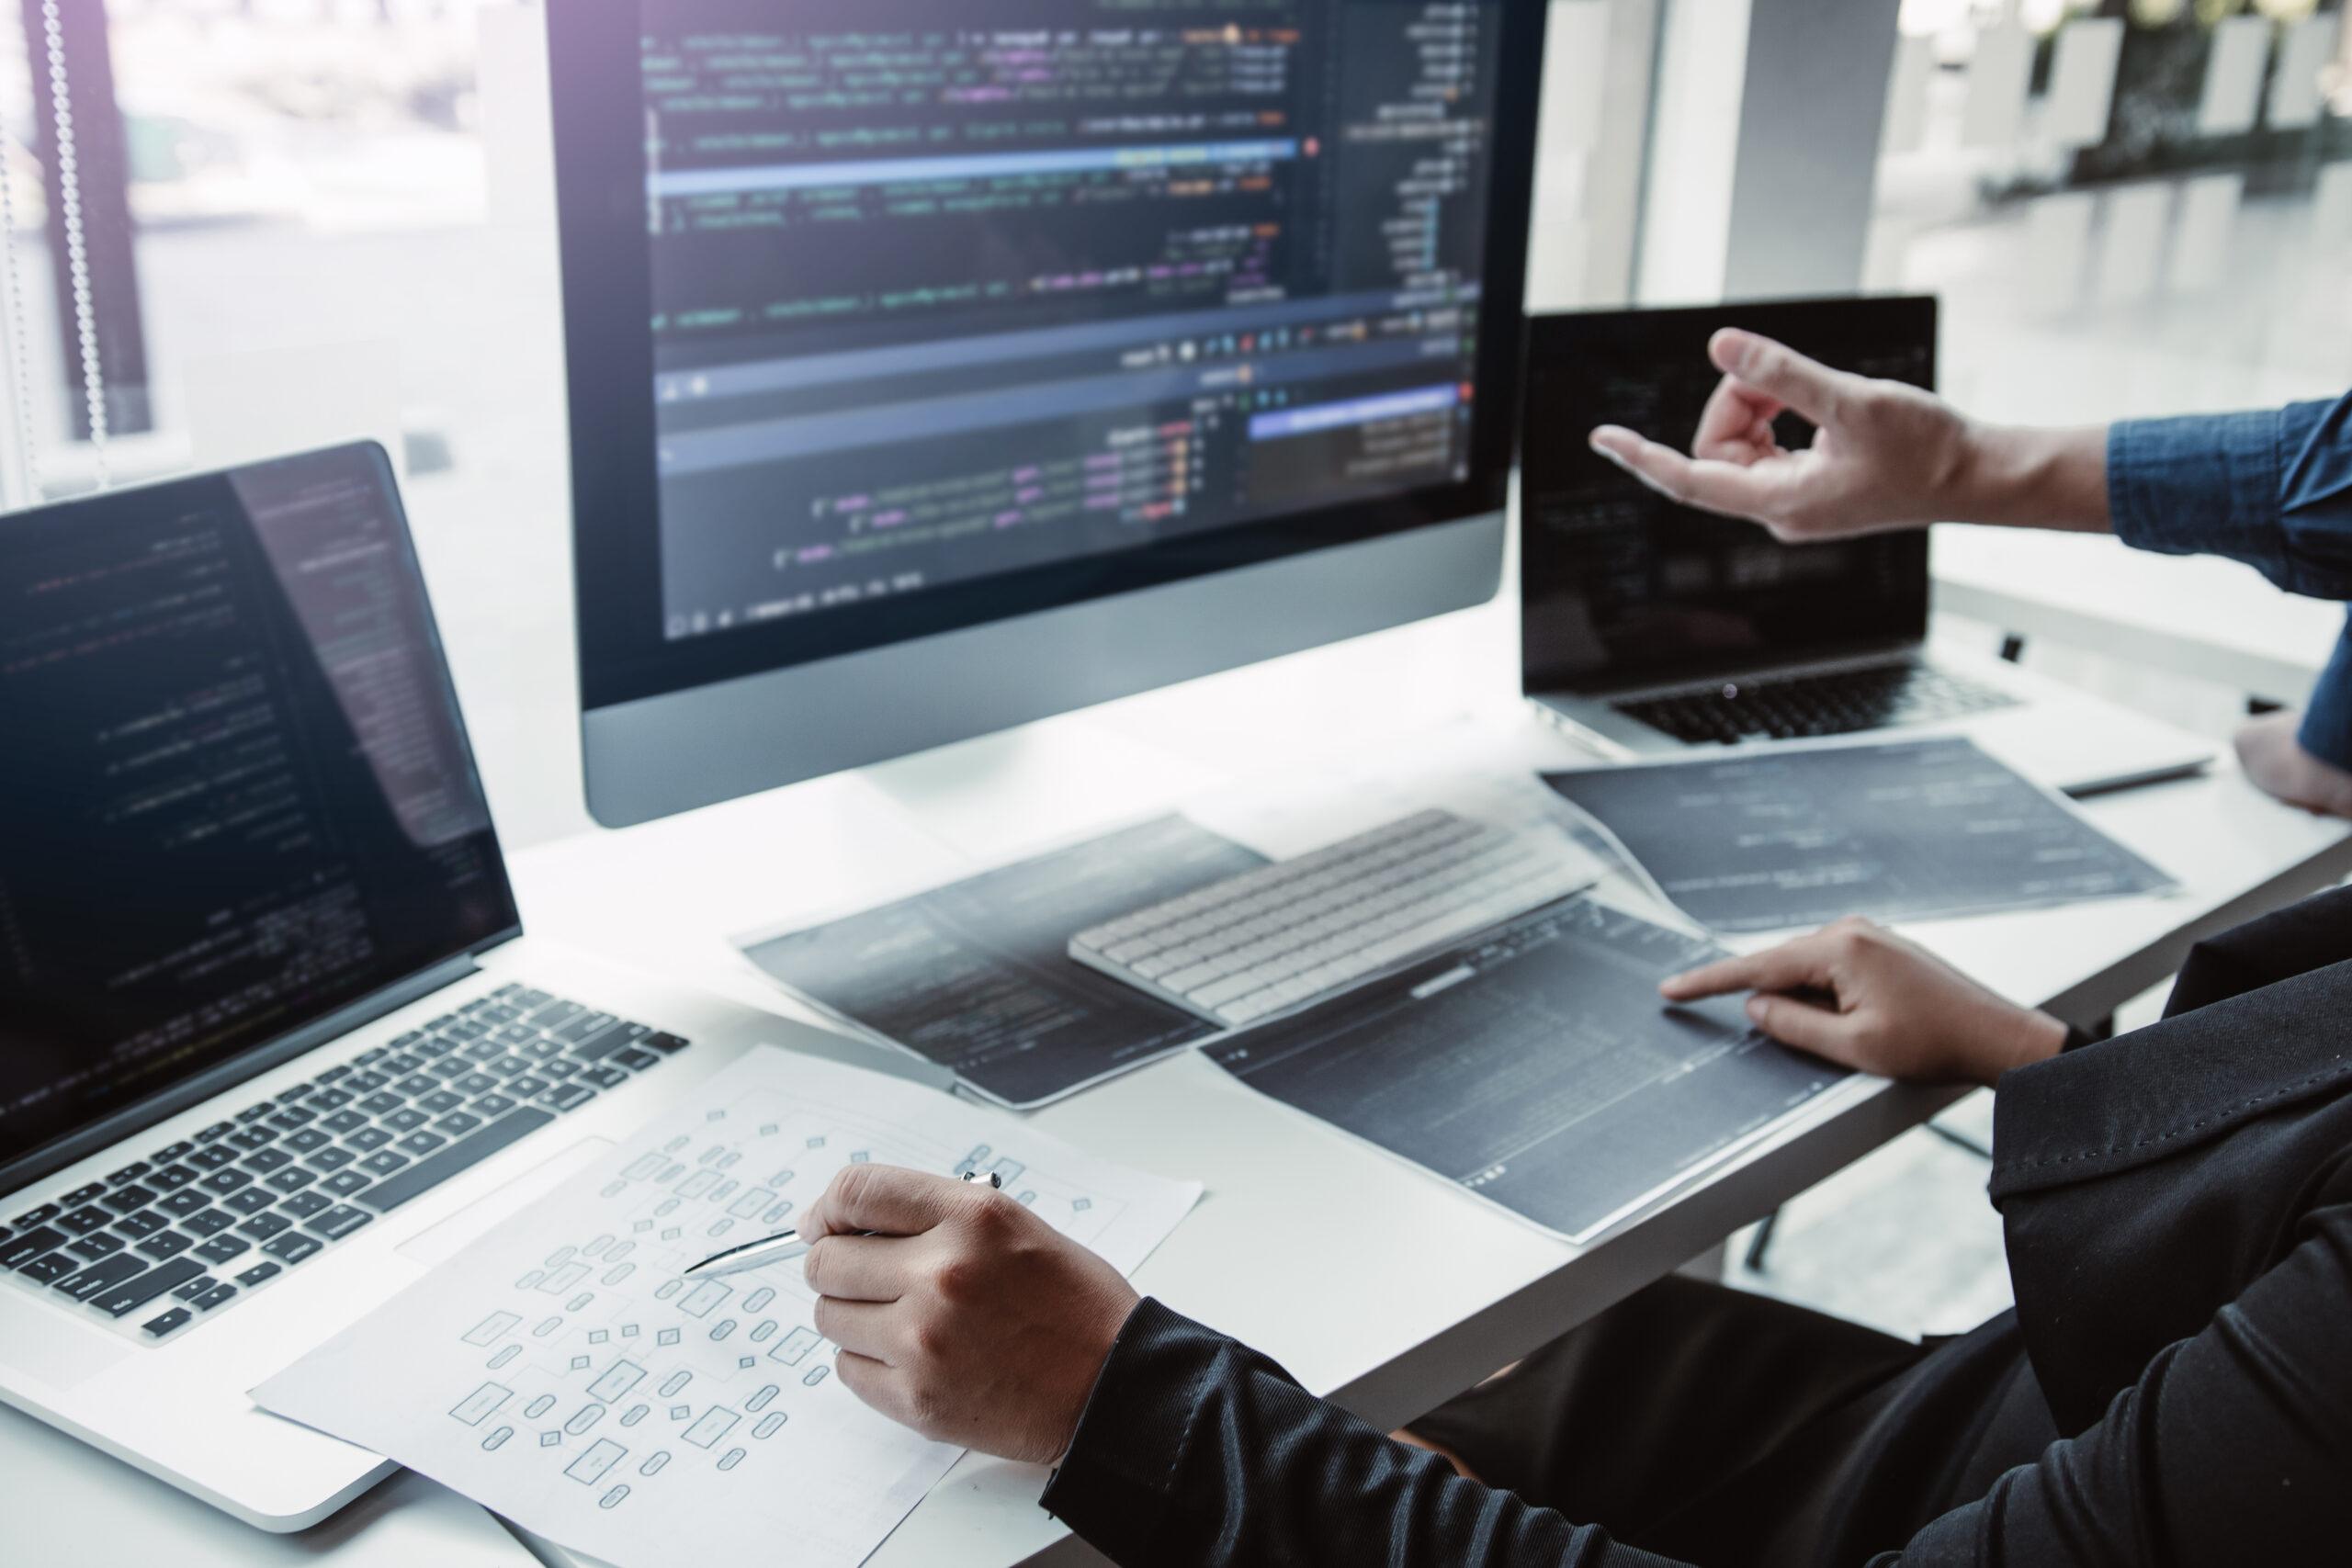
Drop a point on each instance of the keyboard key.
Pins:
(39, 1215)
(474, 1083)
(344, 1183)
(49, 1268)
(304, 1141)
(252, 1201)
(103, 1275)
(568, 1097)
(132, 1294)
(213, 1156)
(212, 1222)
(123, 1199)
(530, 1086)
(130, 1172)
(603, 1077)
(417, 1144)
(95, 1245)
(302, 1205)
(218, 1130)
(668, 1044)
(219, 1295)
(81, 1195)
(147, 1221)
(335, 1074)
(194, 1288)
(223, 1249)
(293, 1178)
(635, 1058)
(430, 1172)
(383, 1162)
(405, 1121)
(326, 1160)
(414, 1085)
(599, 1043)
(172, 1176)
(372, 1139)
(263, 1161)
(491, 1105)
(291, 1248)
(329, 1099)
(293, 1091)
(345, 1120)
(293, 1117)
(181, 1203)
(441, 1070)
(441, 1101)
(261, 1227)
(86, 1218)
(257, 1273)
(228, 1179)
(256, 1111)
(29, 1244)
(339, 1222)
(507, 1066)
(400, 1063)
(365, 1082)
(159, 1326)
(382, 1104)
(251, 1138)
(164, 1244)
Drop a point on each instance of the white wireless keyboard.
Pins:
(1287, 935)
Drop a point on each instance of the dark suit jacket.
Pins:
(2178, 1213)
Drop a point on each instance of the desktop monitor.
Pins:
(936, 365)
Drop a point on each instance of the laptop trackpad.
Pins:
(450, 1237)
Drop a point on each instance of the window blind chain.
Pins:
(19, 340)
(69, 184)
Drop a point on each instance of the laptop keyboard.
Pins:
(1842, 702)
(200, 1224)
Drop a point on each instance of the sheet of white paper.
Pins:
(2295, 100)
(2209, 220)
(2233, 76)
(2082, 82)
(1998, 76)
(561, 1373)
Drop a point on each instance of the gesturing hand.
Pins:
(964, 1317)
(1885, 456)
(1863, 997)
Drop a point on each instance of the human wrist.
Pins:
(2036, 1037)
(2017, 477)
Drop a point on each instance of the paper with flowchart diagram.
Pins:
(562, 1373)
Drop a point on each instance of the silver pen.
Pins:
(781, 1247)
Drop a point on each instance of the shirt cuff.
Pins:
(2204, 485)
(1115, 1484)
(2328, 719)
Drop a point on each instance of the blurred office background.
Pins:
(234, 227)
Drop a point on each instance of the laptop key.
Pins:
(228, 1179)
(157, 1328)
(181, 1204)
(86, 1218)
(164, 1244)
(438, 1167)
(417, 1084)
(255, 1112)
(217, 1131)
(81, 1195)
(344, 1183)
(383, 1162)
(291, 1248)
(339, 1222)
(293, 1116)
(345, 1121)
(251, 1138)
(441, 1101)
(217, 1296)
(39, 1215)
(261, 1162)
(370, 1140)
(171, 1152)
(529, 1086)
(172, 1176)
(307, 1139)
(223, 1249)
(261, 1227)
(405, 1121)
(293, 1178)
(326, 1160)
(212, 1222)
(365, 1082)
(130, 1172)
(490, 1105)
(668, 1044)
(302, 1205)
(103, 1275)
(213, 1156)
(95, 1245)
(420, 1143)
(568, 1097)
(381, 1103)
(124, 1200)
(257, 1273)
(194, 1288)
(635, 1058)
(328, 1101)
(130, 1295)
(49, 1268)
(147, 1221)
(603, 1077)
(252, 1201)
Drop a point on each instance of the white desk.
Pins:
(2205, 618)
(1294, 1248)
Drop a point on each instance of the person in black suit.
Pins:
(2174, 1384)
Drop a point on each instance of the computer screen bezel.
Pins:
(599, 166)
(1570, 339)
(424, 976)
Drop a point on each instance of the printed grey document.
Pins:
(977, 975)
(1539, 1067)
(1787, 837)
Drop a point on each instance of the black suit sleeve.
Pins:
(1198, 1452)
(2232, 1446)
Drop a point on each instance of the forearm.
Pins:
(1196, 1450)
(2014, 476)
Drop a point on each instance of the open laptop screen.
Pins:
(1622, 588)
(237, 795)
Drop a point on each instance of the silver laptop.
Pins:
(271, 1041)
(1652, 628)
